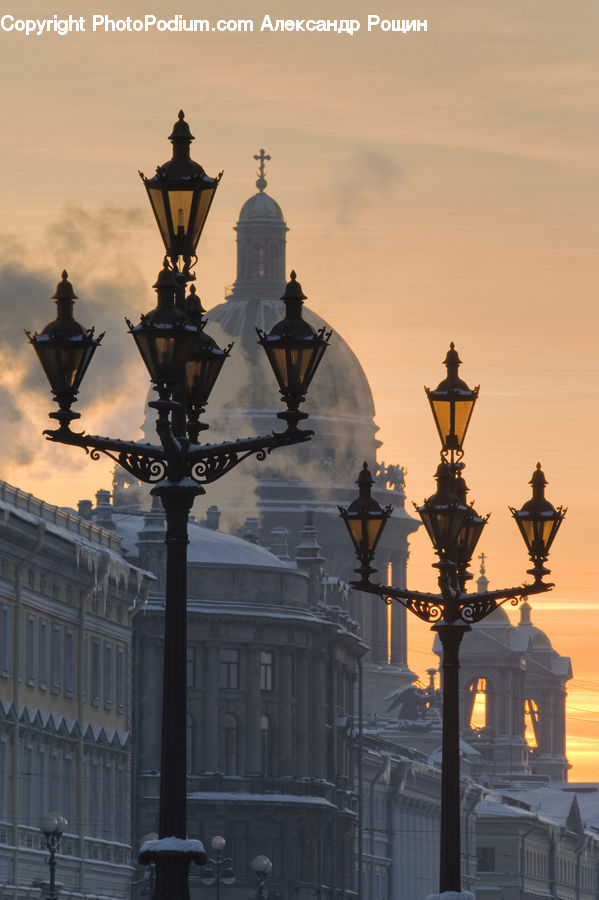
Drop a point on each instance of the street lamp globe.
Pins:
(218, 842)
(261, 865)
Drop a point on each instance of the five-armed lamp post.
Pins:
(183, 363)
(454, 528)
(211, 873)
(262, 867)
(52, 826)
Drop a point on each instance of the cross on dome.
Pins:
(261, 157)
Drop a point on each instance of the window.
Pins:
(229, 669)
(54, 792)
(30, 649)
(95, 671)
(486, 859)
(69, 663)
(43, 637)
(229, 745)
(266, 671)
(266, 745)
(68, 789)
(86, 667)
(121, 686)
(108, 801)
(5, 639)
(2, 780)
(121, 805)
(27, 786)
(42, 784)
(108, 675)
(56, 659)
(191, 666)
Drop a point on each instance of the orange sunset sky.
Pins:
(438, 186)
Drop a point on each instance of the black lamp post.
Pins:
(211, 873)
(262, 867)
(183, 363)
(52, 826)
(454, 528)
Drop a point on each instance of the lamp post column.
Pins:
(450, 636)
(52, 895)
(177, 501)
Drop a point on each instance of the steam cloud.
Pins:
(355, 179)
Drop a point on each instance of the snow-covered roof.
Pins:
(206, 546)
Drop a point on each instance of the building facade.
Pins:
(67, 599)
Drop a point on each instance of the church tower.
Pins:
(513, 695)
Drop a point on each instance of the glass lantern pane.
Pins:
(201, 213)
(441, 410)
(165, 347)
(70, 359)
(278, 361)
(528, 530)
(355, 530)
(157, 201)
(200, 377)
(374, 529)
(463, 411)
(180, 205)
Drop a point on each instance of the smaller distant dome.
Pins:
(539, 639)
(261, 207)
(497, 617)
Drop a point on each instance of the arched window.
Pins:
(531, 722)
(257, 261)
(229, 745)
(266, 745)
(477, 702)
(244, 262)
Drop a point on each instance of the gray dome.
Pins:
(261, 207)
(340, 387)
(207, 547)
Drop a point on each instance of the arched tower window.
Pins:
(477, 703)
(229, 745)
(531, 722)
(266, 745)
(244, 260)
(257, 263)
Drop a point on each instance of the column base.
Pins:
(171, 858)
(452, 895)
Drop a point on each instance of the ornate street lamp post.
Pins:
(183, 364)
(52, 826)
(454, 528)
(211, 873)
(262, 867)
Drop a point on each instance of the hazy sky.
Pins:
(438, 186)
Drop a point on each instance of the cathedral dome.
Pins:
(261, 207)
(340, 388)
